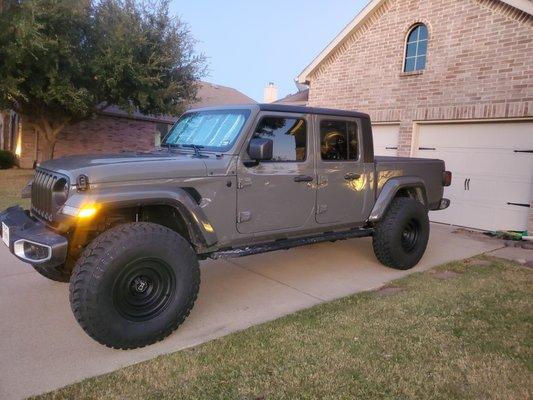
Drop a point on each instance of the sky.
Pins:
(250, 43)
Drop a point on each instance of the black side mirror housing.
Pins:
(260, 149)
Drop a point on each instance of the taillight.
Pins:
(446, 178)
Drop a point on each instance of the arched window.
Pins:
(416, 48)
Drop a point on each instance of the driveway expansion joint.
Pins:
(277, 281)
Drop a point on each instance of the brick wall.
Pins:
(105, 134)
(479, 65)
(102, 134)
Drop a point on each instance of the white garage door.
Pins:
(492, 167)
(385, 139)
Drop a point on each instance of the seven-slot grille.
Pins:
(42, 203)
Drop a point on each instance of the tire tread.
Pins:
(383, 241)
(86, 311)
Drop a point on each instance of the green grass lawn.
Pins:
(11, 183)
(462, 335)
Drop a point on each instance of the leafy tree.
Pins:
(61, 61)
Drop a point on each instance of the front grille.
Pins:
(42, 202)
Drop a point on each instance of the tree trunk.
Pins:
(48, 132)
(48, 149)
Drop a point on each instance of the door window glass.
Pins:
(338, 140)
(289, 136)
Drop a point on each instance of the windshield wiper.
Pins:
(196, 148)
(169, 146)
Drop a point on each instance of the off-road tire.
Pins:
(105, 294)
(58, 274)
(400, 238)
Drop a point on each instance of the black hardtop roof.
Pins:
(276, 107)
(310, 110)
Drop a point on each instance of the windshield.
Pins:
(214, 130)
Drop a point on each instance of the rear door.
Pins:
(278, 194)
(342, 181)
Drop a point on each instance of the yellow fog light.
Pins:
(87, 212)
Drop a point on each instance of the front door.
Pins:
(343, 183)
(278, 194)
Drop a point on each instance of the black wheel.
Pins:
(58, 274)
(401, 238)
(134, 285)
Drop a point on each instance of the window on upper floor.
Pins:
(416, 49)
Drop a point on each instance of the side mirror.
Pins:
(260, 149)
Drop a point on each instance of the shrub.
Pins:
(7, 159)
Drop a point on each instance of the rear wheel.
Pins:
(401, 238)
(134, 285)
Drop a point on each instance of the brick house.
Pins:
(449, 79)
(111, 130)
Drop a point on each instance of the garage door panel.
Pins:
(385, 139)
(482, 135)
(481, 190)
(487, 172)
(480, 217)
(484, 162)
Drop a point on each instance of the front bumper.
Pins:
(30, 240)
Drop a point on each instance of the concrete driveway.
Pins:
(43, 348)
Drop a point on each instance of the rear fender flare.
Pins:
(390, 190)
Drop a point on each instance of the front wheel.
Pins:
(134, 285)
(401, 238)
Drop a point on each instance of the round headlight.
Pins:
(60, 192)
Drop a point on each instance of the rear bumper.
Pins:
(444, 204)
(32, 241)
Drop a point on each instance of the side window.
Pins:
(289, 136)
(338, 140)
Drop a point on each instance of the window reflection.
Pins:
(289, 136)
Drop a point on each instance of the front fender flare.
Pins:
(389, 191)
(179, 198)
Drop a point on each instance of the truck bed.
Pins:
(429, 170)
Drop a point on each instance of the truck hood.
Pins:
(129, 166)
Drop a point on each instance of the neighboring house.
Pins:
(210, 94)
(111, 130)
(449, 79)
(297, 99)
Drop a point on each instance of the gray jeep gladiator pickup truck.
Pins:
(127, 230)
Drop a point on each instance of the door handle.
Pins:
(303, 178)
(350, 176)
